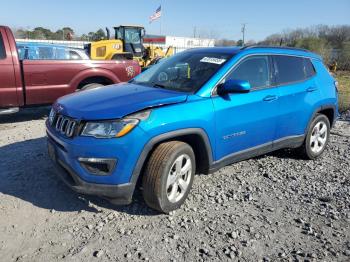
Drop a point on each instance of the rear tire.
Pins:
(317, 138)
(168, 176)
(90, 86)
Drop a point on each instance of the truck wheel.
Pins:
(168, 176)
(90, 86)
(317, 138)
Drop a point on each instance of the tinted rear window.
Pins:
(2, 48)
(289, 69)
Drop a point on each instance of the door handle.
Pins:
(270, 98)
(311, 89)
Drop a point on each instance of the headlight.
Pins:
(109, 129)
(52, 116)
(117, 128)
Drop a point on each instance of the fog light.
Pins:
(98, 166)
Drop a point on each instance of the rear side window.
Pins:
(2, 48)
(291, 69)
(309, 68)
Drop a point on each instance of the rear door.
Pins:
(298, 93)
(247, 121)
(8, 87)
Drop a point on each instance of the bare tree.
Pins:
(338, 35)
(331, 42)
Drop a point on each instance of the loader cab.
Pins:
(132, 38)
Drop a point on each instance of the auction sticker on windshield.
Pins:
(212, 60)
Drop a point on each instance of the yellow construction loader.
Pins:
(128, 44)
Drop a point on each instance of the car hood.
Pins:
(115, 101)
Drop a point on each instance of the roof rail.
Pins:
(272, 46)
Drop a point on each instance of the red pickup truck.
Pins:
(39, 82)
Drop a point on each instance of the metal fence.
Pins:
(74, 44)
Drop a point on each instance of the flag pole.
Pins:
(160, 20)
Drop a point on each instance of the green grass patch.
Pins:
(343, 78)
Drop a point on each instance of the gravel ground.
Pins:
(271, 208)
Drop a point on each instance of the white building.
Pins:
(178, 42)
(189, 41)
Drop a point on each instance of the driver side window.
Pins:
(255, 70)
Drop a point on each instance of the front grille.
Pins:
(64, 125)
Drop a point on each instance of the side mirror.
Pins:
(234, 86)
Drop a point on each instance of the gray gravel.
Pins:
(274, 207)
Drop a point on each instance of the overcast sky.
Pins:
(216, 18)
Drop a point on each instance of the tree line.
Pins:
(65, 33)
(331, 42)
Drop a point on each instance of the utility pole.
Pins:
(194, 32)
(243, 33)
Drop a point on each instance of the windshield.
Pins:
(186, 71)
(132, 36)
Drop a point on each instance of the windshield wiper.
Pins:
(159, 85)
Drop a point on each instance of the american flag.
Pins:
(156, 15)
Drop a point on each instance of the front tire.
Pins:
(317, 137)
(168, 176)
(90, 86)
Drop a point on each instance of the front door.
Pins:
(247, 121)
(8, 87)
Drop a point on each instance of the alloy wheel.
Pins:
(179, 178)
(318, 137)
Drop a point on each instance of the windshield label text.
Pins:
(212, 60)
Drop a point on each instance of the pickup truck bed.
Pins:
(38, 82)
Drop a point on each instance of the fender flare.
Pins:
(319, 109)
(167, 136)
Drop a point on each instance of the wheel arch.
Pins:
(197, 138)
(93, 73)
(94, 79)
(330, 111)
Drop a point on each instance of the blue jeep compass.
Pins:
(192, 113)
